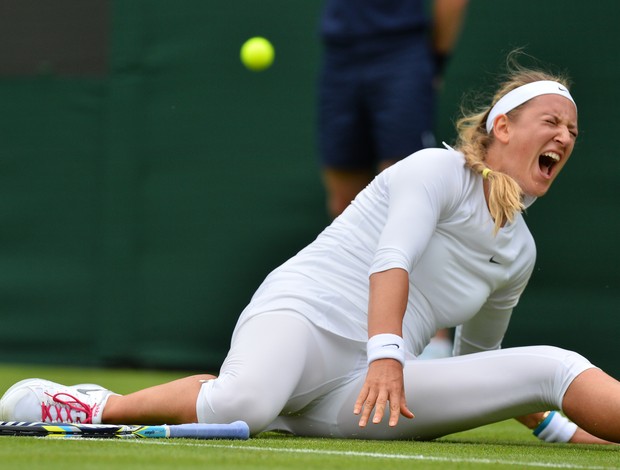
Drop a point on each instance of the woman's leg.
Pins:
(455, 394)
(447, 396)
(42, 400)
(170, 403)
(268, 359)
(278, 363)
(592, 401)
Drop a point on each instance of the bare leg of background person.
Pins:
(342, 186)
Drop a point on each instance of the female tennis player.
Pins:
(327, 346)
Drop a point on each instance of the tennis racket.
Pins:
(236, 430)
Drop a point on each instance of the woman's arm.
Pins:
(384, 383)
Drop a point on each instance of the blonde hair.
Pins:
(505, 195)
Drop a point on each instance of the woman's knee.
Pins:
(228, 403)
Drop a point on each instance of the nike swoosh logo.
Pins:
(86, 391)
(492, 260)
(562, 89)
(391, 344)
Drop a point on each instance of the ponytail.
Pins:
(505, 197)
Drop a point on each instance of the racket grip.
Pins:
(236, 430)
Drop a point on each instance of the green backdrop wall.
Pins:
(144, 195)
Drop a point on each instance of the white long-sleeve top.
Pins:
(427, 215)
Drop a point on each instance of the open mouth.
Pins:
(547, 161)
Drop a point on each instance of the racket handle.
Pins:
(236, 430)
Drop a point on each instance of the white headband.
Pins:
(524, 93)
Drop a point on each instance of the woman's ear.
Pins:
(501, 128)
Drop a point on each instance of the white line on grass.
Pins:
(379, 455)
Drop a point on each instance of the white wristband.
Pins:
(386, 346)
(555, 428)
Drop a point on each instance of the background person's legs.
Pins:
(342, 186)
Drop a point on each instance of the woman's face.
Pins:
(538, 142)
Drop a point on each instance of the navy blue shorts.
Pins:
(376, 101)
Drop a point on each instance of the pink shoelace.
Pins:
(68, 405)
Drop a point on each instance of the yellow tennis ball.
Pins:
(257, 54)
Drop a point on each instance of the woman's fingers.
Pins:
(405, 411)
(364, 405)
(383, 391)
(380, 404)
(361, 398)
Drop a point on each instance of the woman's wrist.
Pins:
(386, 346)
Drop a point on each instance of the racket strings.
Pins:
(72, 407)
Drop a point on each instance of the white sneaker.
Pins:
(42, 400)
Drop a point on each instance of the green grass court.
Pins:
(505, 445)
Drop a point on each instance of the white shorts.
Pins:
(284, 373)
